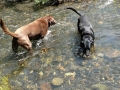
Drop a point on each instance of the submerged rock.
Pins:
(41, 74)
(72, 74)
(45, 86)
(99, 87)
(57, 81)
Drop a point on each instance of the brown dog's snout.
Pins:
(55, 21)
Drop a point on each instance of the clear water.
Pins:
(58, 54)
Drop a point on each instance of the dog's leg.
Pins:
(44, 33)
(28, 46)
(15, 45)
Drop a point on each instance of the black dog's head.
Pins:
(86, 43)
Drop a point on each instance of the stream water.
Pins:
(57, 56)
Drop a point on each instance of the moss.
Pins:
(4, 84)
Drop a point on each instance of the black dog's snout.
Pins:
(86, 43)
(87, 53)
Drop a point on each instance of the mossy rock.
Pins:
(99, 87)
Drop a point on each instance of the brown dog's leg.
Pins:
(27, 45)
(15, 45)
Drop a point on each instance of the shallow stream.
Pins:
(57, 56)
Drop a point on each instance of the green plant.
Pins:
(41, 1)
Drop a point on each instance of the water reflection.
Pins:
(56, 56)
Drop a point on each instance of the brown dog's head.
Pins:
(51, 20)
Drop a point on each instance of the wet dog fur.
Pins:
(32, 31)
(86, 31)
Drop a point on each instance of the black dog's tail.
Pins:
(74, 10)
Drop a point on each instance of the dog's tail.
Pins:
(6, 30)
(74, 10)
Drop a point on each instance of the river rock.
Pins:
(99, 87)
(45, 86)
(72, 74)
(57, 81)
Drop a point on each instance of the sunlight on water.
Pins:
(106, 4)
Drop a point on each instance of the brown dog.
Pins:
(32, 31)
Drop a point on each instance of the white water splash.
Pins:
(106, 4)
(47, 35)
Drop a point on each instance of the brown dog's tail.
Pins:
(6, 30)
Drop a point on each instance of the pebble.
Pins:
(18, 83)
(84, 63)
(72, 74)
(41, 74)
(45, 86)
(100, 22)
(31, 71)
(57, 81)
(99, 87)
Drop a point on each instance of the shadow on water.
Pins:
(57, 56)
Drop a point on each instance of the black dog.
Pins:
(86, 31)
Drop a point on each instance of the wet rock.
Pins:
(100, 22)
(57, 81)
(41, 74)
(45, 86)
(61, 67)
(99, 87)
(70, 74)
(16, 72)
(18, 83)
(54, 73)
(94, 57)
(84, 63)
(113, 53)
(31, 71)
(44, 50)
